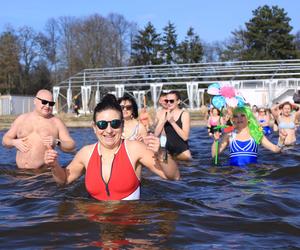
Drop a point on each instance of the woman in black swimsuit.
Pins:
(176, 124)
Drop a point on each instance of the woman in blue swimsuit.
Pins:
(263, 118)
(243, 142)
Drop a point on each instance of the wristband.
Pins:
(280, 145)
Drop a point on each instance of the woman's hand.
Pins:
(152, 142)
(282, 135)
(139, 138)
(50, 156)
(170, 117)
(217, 135)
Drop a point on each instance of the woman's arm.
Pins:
(142, 130)
(208, 125)
(222, 145)
(272, 147)
(275, 111)
(185, 130)
(297, 113)
(149, 155)
(72, 172)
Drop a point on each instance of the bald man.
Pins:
(32, 133)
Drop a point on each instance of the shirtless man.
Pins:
(32, 133)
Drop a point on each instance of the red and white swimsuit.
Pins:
(123, 184)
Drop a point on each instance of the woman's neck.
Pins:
(129, 120)
(242, 131)
(106, 151)
(174, 110)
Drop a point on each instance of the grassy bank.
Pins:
(83, 121)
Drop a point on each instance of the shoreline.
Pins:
(85, 121)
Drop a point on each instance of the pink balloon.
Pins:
(227, 91)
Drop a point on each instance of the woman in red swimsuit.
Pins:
(112, 165)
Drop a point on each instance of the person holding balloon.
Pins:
(247, 135)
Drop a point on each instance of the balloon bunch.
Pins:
(224, 95)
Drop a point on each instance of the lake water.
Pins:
(209, 208)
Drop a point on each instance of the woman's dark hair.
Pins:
(163, 94)
(286, 103)
(135, 112)
(176, 93)
(109, 101)
(219, 112)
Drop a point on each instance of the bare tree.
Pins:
(49, 42)
(122, 30)
(67, 45)
(29, 52)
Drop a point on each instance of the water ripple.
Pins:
(211, 207)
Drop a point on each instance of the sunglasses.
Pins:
(239, 116)
(104, 124)
(169, 101)
(126, 107)
(45, 102)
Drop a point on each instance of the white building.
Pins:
(15, 105)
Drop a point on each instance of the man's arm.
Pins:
(64, 141)
(160, 122)
(10, 139)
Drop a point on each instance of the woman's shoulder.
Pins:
(132, 143)
(87, 148)
(133, 147)
(183, 112)
(84, 154)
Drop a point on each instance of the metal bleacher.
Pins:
(191, 78)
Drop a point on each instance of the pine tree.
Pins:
(297, 42)
(236, 48)
(190, 50)
(9, 62)
(146, 47)
(169, 45)
(268, 35)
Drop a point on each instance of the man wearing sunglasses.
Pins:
(32, 133)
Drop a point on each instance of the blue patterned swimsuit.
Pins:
(242, 153)
(266, 129)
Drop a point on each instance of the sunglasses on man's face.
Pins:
(115, 124)
(126, 107)
(45, 102)
(169, 101)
